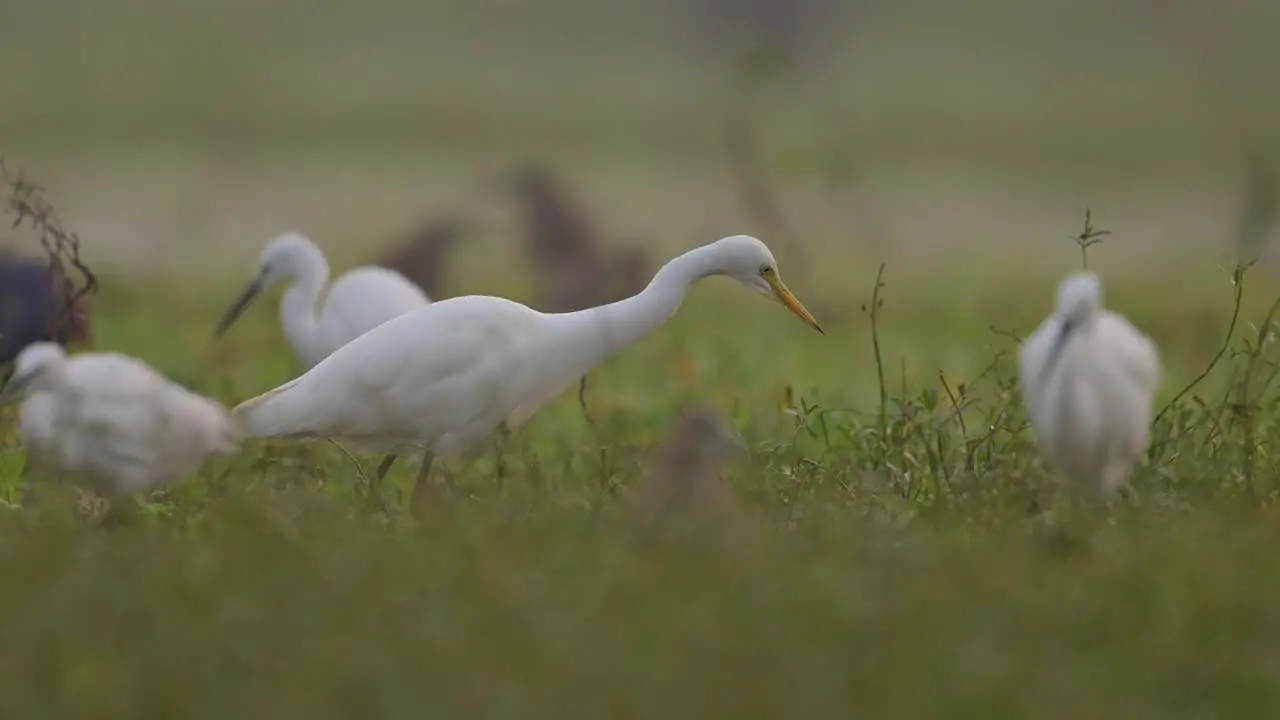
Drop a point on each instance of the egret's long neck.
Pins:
(55, 377)
(599, 333)
(298, 305)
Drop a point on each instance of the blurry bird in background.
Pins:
(34, 307)
(557, 227)
(111, 422)
(628, 270)
(588, 281)
(684, 491)
(576, 269)
(423, 252)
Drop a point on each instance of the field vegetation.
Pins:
(893, 545)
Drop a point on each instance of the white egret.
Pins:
(358, 301)
(1088, 380)
(444, 377)
(112, 422)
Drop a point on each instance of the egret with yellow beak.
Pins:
(443, 378)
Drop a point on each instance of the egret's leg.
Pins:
(418, 503)
(385, 465)
(375, 483)
(373, 487)
(499, 442)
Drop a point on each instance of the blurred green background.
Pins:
(191, 131)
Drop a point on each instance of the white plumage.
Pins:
(358, 301)
(446, 376)
(111, 422)
(1088, 380)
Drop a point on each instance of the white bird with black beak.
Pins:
(358, 301)
(446, 376)
(110, 421)
(1088, 380)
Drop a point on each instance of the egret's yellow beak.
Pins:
(785, 297)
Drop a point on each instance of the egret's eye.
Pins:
(765, 270)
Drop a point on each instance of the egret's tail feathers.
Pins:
(227, 435)
(205, 427)
(271, 414)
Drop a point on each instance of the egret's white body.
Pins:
(1088, 380)
(446, 376)
(358, 301)
(111, 421)
(35, 423)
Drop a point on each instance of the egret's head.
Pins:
(749, 261)
(1079, 297)
(289, 255)
(34, 370)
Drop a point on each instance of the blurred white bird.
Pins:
(1088, 380)
(110, 421)
(358, 301)
(446, 376)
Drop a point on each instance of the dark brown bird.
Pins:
(567, 249)
(33, 306)
(628, 271)
(684, 492)
(423, 254)
(557, 228)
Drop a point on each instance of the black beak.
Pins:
(1055, 352)
(239, 306)
(14, 388)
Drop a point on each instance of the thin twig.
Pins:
(1237, 279)
(26, 203)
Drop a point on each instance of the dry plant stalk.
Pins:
(70, 276)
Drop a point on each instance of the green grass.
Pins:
(895, 571)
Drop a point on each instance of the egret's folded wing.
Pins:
(1032, 357)
(195, 425)
(390, 370)
(1137, 354)
(366, 297)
